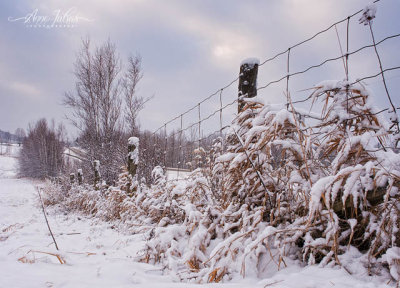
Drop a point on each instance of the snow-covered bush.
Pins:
(278, 188)
(292, 190)
(299, 190)
(355, 202)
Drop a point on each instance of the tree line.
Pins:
(104, 107)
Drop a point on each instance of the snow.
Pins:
(7, 167)
(99, 255)
(226, 157)
(176, 174)
(9, 149)
(393, 116)
(352, 222)
(328, 85)
(393, 259)
(133, 141)
(368, 14)
(97, 165)
(317, 190)
(250, 61)
(158, 175)
(134, 155)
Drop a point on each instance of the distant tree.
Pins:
(20, 135)
(41, 153)
(105, 106)
(133, 102)
(7, 137)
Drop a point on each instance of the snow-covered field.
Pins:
(96, 255)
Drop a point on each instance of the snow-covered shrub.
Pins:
(301, 191)
(356, 201)
(277, 189)
(224, 208)
(265, 185)
(55, 193)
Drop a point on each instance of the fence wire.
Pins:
(180, 148)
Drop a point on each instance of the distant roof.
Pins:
(75, 152)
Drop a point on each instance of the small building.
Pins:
(73, 157)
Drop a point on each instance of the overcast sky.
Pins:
(189, 49)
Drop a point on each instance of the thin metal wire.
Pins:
(180, 145)
(287, 79)
(165, 146)
(326, 61)
(376, 75)
(287, 76)
(312, 37)
(299, 101)
(201, 102)
(190, 144)
(205, 119)
(341, 50)
(199, 124)
(199, 139)
(396, 122)
(266, 61)
(347, 48)
(220, 112)
(347, 64)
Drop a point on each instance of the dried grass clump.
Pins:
(357, 201)
(107, 203)
(30, 257)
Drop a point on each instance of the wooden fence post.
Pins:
(96, 166)
(80, 177)
(247, 80)
(133, 155)
(133, 161)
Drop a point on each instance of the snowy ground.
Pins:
(98, 256)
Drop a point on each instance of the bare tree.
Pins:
(20, 135)
(41, 153)
(134, 102)
(7, 137)
(103, 103)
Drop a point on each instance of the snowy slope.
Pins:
(97, 255)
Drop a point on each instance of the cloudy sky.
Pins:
(189, 50)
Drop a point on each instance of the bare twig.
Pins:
(59, 257)
(252, 164)
(45, 217)
(273, 283)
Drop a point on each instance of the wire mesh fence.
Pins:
(180, 141)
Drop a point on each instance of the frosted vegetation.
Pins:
(278, 189)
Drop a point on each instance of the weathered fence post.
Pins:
(80, 177)
(133, 161)
(72, 178)
(133, 155)
(96, 166)
(247, 80)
